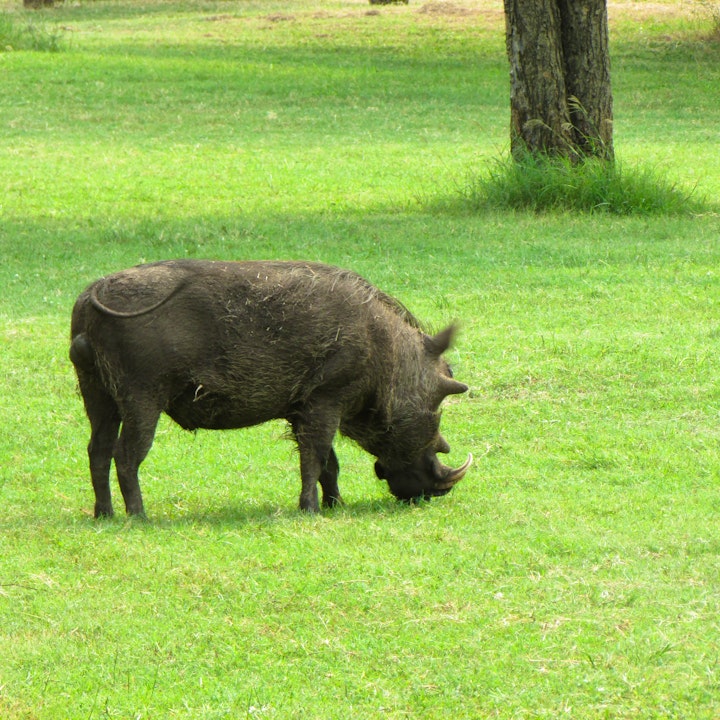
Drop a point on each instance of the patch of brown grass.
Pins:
(626, 10)
(444, 7)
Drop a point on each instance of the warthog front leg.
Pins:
(318, 462)
(329, 481)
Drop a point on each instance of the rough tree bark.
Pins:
(560, 97)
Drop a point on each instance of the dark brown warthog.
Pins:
(232, 344)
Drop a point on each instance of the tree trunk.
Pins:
(561, 98)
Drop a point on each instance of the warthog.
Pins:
(222, 345)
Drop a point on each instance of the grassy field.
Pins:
(573, 573)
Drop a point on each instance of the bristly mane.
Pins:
(400, 309)
(388, 300)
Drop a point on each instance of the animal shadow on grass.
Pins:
(269, 513)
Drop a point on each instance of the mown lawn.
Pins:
(573, 573)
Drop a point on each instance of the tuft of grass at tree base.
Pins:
(540, 183)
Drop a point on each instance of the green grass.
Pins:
(541, 183)
(573, 573)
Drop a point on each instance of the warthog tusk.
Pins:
(454, 476)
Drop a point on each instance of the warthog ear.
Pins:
(436, 345)
(448, 386)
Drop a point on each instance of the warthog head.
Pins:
(408, 461)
